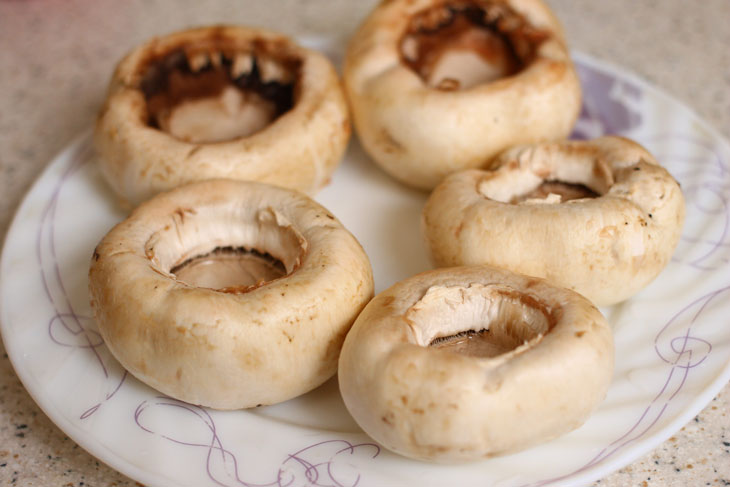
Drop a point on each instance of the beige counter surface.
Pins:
(56, 58)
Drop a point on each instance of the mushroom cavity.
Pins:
(201, 249)
(218, 91)
(479, 321)
(531, 175)
(556, 192)
(460, 44)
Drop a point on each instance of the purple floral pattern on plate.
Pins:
(322, 464)
(609, 104)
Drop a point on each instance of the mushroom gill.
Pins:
(460, 44)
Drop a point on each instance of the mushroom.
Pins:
(229, 294)
(466, 363)
(601, 217)
(438, 86)
(221, 102)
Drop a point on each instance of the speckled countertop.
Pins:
(55, 60)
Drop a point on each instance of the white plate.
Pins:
(672, 340)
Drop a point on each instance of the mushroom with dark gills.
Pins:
(221, 102)
(601, 217)
(229, 294)
(465, 363)
(436, 86)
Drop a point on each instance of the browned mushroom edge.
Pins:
(264, 75)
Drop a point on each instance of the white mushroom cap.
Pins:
(230, 135)
(419, 133)
(234, 347)
(606, 247)
(434, 404)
